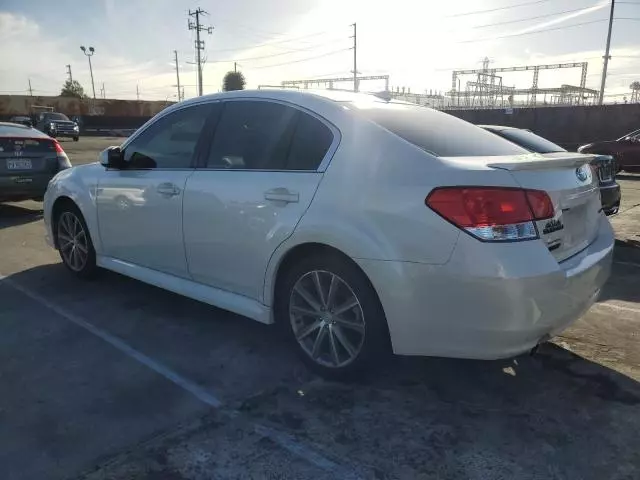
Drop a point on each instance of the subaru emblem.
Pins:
(583, 173)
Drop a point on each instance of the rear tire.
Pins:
(332, 315)
(74, 242)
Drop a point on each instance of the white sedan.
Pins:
(358, 225)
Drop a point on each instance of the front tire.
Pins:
(74, 242)
(75, 139)
(332, 315)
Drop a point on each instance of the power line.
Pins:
(532, 18)
(531, 33)
(496, 9)
(267, 44)
(276, 54)
(302, 60)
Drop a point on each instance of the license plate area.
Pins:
(21, 164)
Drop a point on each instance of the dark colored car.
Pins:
(22, 120)
(625, 150)
(57, 125)
(28, 160)
(604, 164)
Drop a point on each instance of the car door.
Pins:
(262, 170)
(140, 205)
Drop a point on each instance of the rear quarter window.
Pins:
(436, 132)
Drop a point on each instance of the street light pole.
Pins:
(89, 54)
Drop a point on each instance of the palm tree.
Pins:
(233, 81)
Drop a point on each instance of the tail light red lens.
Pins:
(58, 147)
(492, 213)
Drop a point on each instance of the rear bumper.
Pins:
(23, 187)
(490, 300)
(610, 196)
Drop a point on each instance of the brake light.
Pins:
(63, 160)
(492, 213)
(58, 147)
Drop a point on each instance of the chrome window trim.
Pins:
(324, 163)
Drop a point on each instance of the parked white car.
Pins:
(355, 223)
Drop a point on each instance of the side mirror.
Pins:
(111, 157)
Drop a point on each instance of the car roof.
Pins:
(299, 97)
(14, 130)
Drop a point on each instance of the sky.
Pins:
(417, 42)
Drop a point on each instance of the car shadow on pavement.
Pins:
(623, 284)
(12, 215)
(553, 415)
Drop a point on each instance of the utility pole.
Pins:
(175, 54)
(199, 44)
(89, 54)
(235, 66)
(137, 92)
(103, 94)
(30, 89)
(606, 55)
(355, 58)
(69, 73)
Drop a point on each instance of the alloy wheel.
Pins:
(327, 318)
(72, 241)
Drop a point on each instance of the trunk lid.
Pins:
(21, 157)
(572, 186)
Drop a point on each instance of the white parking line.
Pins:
(614, 306)
(285, 440)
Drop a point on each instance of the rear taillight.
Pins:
(492, 213)
(63, 160)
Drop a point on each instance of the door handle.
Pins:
(282, 195)
(168, 189)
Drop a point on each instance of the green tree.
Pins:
(233, 81)
(72, 89)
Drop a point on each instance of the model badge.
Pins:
(552, 226)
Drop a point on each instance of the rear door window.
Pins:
(253, 135)
(311, 142)
(436, 132)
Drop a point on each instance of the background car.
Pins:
(603, 164)
(355, 224)
(22, 120)
(29, 159)
(57, 125)
(625, 151)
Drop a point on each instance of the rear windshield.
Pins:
(26, 145)
(529, 140)
(438, 133)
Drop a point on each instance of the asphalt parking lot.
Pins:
(114, 379)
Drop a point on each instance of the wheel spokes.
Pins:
(346, 344)
(309, 329)
(307, 297)
(357, 327)
(317, 344)
(316, 281)
(346, 306)
(334, 347)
